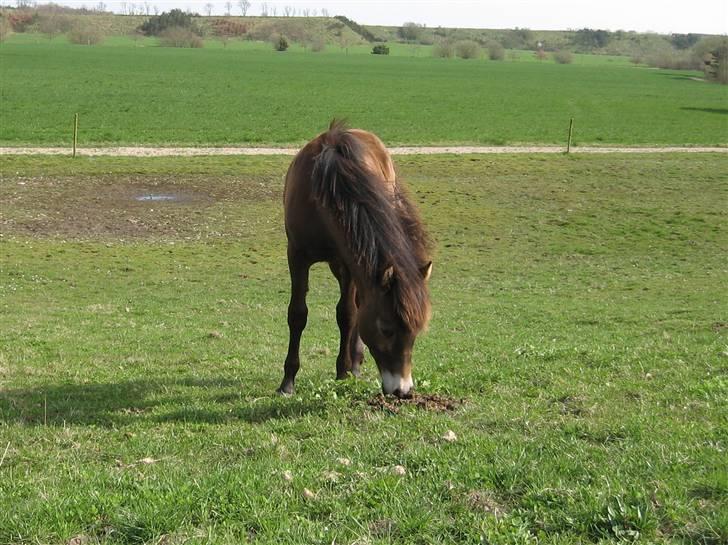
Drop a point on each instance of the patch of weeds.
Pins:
(571, 405)
(624, 517)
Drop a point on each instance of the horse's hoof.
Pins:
(285, 391)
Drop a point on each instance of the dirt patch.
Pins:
(571, 405)
(428, 402)
(130, 206)
(485, 501)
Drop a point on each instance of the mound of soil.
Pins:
(428, 402)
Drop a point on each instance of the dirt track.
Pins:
(409, 150)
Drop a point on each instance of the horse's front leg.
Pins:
(346, 319)
(356, 349)
(299, 267)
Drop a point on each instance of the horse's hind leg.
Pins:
(346, 319)
(298, 266)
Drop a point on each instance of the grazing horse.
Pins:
(344, 205)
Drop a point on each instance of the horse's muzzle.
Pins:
(395, 384)
(404, 395)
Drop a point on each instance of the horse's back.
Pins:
(377, 159)
(308, 226)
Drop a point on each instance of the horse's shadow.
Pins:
(119, 404)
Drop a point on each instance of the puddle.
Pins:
(152, 197)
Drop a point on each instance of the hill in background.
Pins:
(675, 51)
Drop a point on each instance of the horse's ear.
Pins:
(426, 271)
(387, 277)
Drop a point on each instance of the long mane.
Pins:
(381, 225)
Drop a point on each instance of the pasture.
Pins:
(578, 345)
(137, 93)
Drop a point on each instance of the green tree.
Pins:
(590, 39)
(410, 32)
(684, 41)
(175, 18)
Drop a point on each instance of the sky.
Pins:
(664, 16)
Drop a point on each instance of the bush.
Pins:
(496, 52)
(176, 18)
(704, 48)
(262, 31)
(85, 33)
(179, 37)
(380, 50)
(518, 38)
(563, 56)
(671, 59)
(317, 44)
(20, 20)
(5, 28)
(280, 44)
(467, 49)
(228, 28)
(444, 50)
(716, 66)
(54, 24)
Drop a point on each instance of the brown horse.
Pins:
(344, 205)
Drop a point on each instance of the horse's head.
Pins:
(389, 336)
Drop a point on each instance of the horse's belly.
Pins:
(308, 233)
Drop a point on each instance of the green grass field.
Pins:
(249, 94)
(580, 318)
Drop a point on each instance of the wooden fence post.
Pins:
(571, 128)
(75, 133)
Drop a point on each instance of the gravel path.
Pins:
(407, 150)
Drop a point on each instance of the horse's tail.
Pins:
(345, 185)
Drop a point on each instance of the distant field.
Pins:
(248, 94)
(579, 315)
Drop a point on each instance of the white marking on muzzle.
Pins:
(392, 382)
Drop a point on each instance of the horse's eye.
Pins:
(388, 332)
